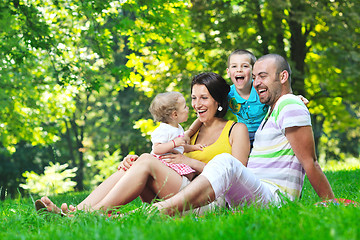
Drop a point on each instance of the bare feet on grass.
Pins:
(51, 207)
(162, 207)
(46, 203)
(68, 209)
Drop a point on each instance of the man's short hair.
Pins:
(281, 63)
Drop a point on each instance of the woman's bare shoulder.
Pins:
(239, 128)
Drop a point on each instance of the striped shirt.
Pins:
(272, 158)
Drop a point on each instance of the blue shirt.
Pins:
(250, 112)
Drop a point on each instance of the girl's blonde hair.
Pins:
(163, 105)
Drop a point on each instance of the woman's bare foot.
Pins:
(51, 207)
(68, 209)
(163, 208)
(65, 208)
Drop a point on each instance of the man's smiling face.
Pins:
(266, 81)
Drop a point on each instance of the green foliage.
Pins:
(106, 166)
(319, 38)
(28, 92)
(25, 158)
(55, 180)
(146, 127)
(79, 74)
(68, 62)
(348, 164)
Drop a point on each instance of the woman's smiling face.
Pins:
(203, 103)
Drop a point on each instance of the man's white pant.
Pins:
(229, 176)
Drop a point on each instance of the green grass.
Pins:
(296, 220)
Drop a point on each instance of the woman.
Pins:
(149, 178)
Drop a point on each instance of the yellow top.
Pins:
(222, 145)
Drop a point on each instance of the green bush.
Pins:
(106, 166)
(56, 179)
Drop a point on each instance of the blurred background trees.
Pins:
(76, 77)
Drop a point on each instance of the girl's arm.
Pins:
(190, 148)
(240, 143)
(192, 129)
(162, 148)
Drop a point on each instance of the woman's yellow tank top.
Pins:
(222, 145)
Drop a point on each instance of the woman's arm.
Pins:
(240, 143)
(180, 158)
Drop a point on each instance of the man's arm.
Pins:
(302, 142)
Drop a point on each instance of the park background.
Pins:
(77, 77)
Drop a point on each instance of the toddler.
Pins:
(170, 110)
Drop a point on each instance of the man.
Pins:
(283, 152)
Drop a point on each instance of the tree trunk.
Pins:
(298, 49)
(70, 143)
(78, 133)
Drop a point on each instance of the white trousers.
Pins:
(229, 177)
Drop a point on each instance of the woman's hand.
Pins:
(197, 165)
(127, 162)
(174, 158)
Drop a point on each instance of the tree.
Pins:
(309, 33)
(92, 50)
(27, 95)
(78, 75)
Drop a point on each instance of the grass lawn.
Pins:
(297, 220)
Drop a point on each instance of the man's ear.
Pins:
(284, 76)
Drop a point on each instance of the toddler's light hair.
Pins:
(163, 105)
